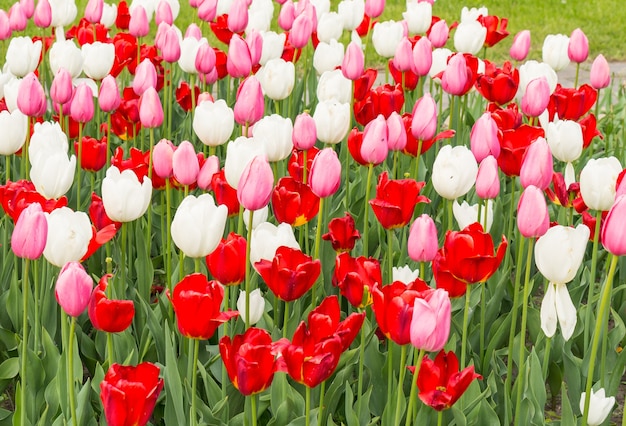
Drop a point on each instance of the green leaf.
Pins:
(567, 414)
(9, 368)
(174, 412)
(351, 417)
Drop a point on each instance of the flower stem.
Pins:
(123, 260)
(80, 165)
(592, 279)
(70, 371)
(398, 417)
(285, 319)
(418, 357)
(417, 159)
(439, 418)
(389, 256)
(253, 404)
(110, 348)
(465, 325)
(194, 382)
(168, 238)
(25, 287)
(307, 408)
(250, 217)
(518, 279)
(360, 383)
(320, 416)
(546, 358)
(318, 238)
(370, 172)
(522, 345)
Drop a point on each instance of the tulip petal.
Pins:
(565, 310)
(548, 312)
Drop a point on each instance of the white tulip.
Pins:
(554, 51)
(469, 37)
(332, 121)
(124, 197)
(98, 59)
(213, 122)
(14, 126)
(23, 55)
(559, 252)
(418, 16)
(405, 274)
(600, 406)
(69, 233)
(329, 27)
(351, 12)
(266, 238)
(454, 171)
(333, 86)
(277, 78)
(386, 37)
(65, 54)
(273, 45)
(597, 182)
(328, 56)
(274, 133)
(556, 306)
(466, 214)
(238, 154)
(257, 305)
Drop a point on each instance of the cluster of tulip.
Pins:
(253, 182)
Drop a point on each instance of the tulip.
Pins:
(210, 167)
(170, 45)
(250, 105)
(46, 136)
(198, 225)
(301, 30)
(533, 219)
(455, 76)
(403, 58)
(65, 54)
(395, 201)
(578, 47)
(63, 12)
(185, 166)
(267, 238)
(14, 126)
(17, 17)
(466, 214)
(98, 59)
(397, 137)
(353, 61)
(600, 406)
(600, 74)
(145, 77)
(454, 171)
(273, 45)
(430, 323)
(256, 184)
(188, 52)
(418, 16)
(521, 45)
(239, 62)
(484, 139)
(93, 10)
(555, 51)
(213, 122)
(139, 25)
(537, 166)
(328, 56)
(598, 182)
(342, 233)
(150, 109)
(129, 393)
(238, 154)
(559, 252)
(82, 109)
(109, 98)
(325, 175)
(536, 97)
(110, 316)
(422, 243)
(61, 90)
(22, 56)
(422, 56)
(329, 27)
(31, 99)
(469, 37)
(374, 148)
(125, 198)
(404, 274)
(614, 228)
(386, 37)
(356, 279)
(565, 140)
(374, 8)
(277, 78)
(29, 235)
(439, 34)
(162, 159)
(42, 16)
(274, 133)
(68, 237)
(52, 171)
(73, 288)
(332, 121)
(487, 180)
(227, 263)
(351, 12)
(304, 133)
(531, 70)
(424, 123)
(163, 13)
(257, 305)
(109, 14)
(333, 86)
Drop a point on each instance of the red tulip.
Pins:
(249, 360)
(227, 263)
(197, 302)
(382, 100)
(324, 322)
(513, 146)
(112, 316)
(498, 85)
(290, 274)
(93, 153)
(295, 164)
(441, 383)
(356, 278)
(224, 193)
(496, 29)
(129, 393)
(590, 131)
(395, 201)
(342, 233)
(16, 196)
(123, 16)
(405, 79)
(293, 202)
(183, 95)
(571, 104)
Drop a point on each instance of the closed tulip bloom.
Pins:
(82, 109)
(374, 148)
(333, 86)
(125, 198)
(329, 27)
(98, 59)
(418, 16)
(600, 406)
(205, 58)
(598, 180)
(422, 243)
(17, 17)
(250, 104)
(455, 76)
(403, 58)
(256, 184)
(565, 139)
(31, 99)
(69, 233)
(430, 324)
(454, 171)
(274, 132)
(273, 45)
(533, 219)
(65, 54)
(422, 56)
(536, 97)
(351, 11)
(14, 126)
(150, 109)
(109, 96)
(332, 121)
(277, 78)
(374, 8)
(163, 13)
(304, 133)
(578, 47)
(325, 175)
(145, 77)
(469, 37)
(52, 171)
(198, 225)
(93, 10)
(397, 137)
(614, 228)
(466, 214)
(109, 315)
(386, 37)
(210, 167)
(238, 154)
(328, 56)
(22, 56)
(73, 288)
(28, 239)
(188, 52)
(439, 34)
(484, 137)
(267, 238)
(257, 305)
(554, 51)
(424, 123)
(521, 45)
(169, 44)
(227, 263)
(109, 14)
(63, 12)
(531, 70)
(139, 25)
(238, 16)
(301, 30)
(487, 179)
(239, 62)
(600, 74)
(162, 158)
(537, 167)
(213, 122)
(61, 89)
(185, 166)
(46, 136)
(42, 16)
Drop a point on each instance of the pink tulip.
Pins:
(17, 18)
(613, 234)
(145, 77)
(250, 104)
(207, 11)
(109, 97)
(353, 62)
(301, 31)
(423, 56)
(82, 108)
(73, 289)
(195, 3)
(533, 219)
(454, 76)
(30, 233)
(484, 139)
(374, 148)
(162, 159)
(430, 324)
(600, 74)
(536, 98)
(396, 137)
(439, 34)
(28, 7)
(374, 8)
(205, 58)
(537, 165)
(238, 16)
(254, 40)
(256, 184)
(170, 45)
(422, 243)
(521, 46)
(31, 99)
(138, 25)
(578, 47)
(238, 62)
(487, 180)
(287, 15)
(424, 123)
(61, 89)
(163, 13)
(304, 133)
(193, 31)
(185, 164)
(42, 16)
(209, 168)
(93, 11)
(403, 59)
(150, 109)
(325, 175)
(205, 96)
(5, 27)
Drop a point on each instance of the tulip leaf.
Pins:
(84, 411)
(174, 412)
(9, 368)
(335, 389)
(487, 415)
(143, 265)
(567, 414)
(51, 396)
(459, 417)
(572, 367)
(352, 418)
(154, 320)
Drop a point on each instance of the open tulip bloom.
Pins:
(337, 190)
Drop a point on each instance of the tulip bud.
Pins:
(613, 230)
(238, 62)
(328, 56)
(332, 121)
(93, 10)
(422, 56)
(396, 138)
(163, 13)
(374, 148)
(403, 58)
(185, 166)
(455, 75)
(353, 62)
(109, 97)
(533, 219)
(162, 158)
(275, 134)
(424, 123)
(422, 243)
(578, 47)
(150, 109)
(351, 12)
(14, 126)
(329, 27)
(600, 406)
(439, 34)
(484, 137)
(304, 133)
(138, 25)
(207, 10)
(250, 104)
(170, 45)
(124, 197)
(430, 323)
(205, 58)
(29, 235)
(555, 51)
(238, 16)
(469, 37)
(386, 37)
(521, 45)
(73, 288)
(145, 77)
(257, 306)
(301, 30)
(42, 16)
(325, 175)
(210, 167)
(17, 18)
(277, 78)
(256, 184)
(418, 17)
(374, 8)
(466, 214)
(600, 74)
(597, 182)
(213, 122)
(68, 237)
(487, 180)
(238, 154)
(537, 168)
(454, 171)
(536, 97)
(31, 99)
(61, 90)
(82, 109)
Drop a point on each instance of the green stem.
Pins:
(254, 411)
(439, 418)
(576, 78)
(25, 287)
(108, 151)
(307, 408)
(522, 345)
(304, 170)
(168, 238)
(346, 167)
(320, 416)
(465, 325)
(592, 280)
(285, 319)
(546, 357)
(417, 159)
(318, 238)
(194, 382)
(250, 218)
(80, 165)
(25, 167)
(389, 369)
(370, 172)
(398, 416)
(450, 218)
(110, 348)
(360, 382)
(389, 256)
(518, 279)
(123, 261)
(37, 285)
(70, 372)
(418, 357)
